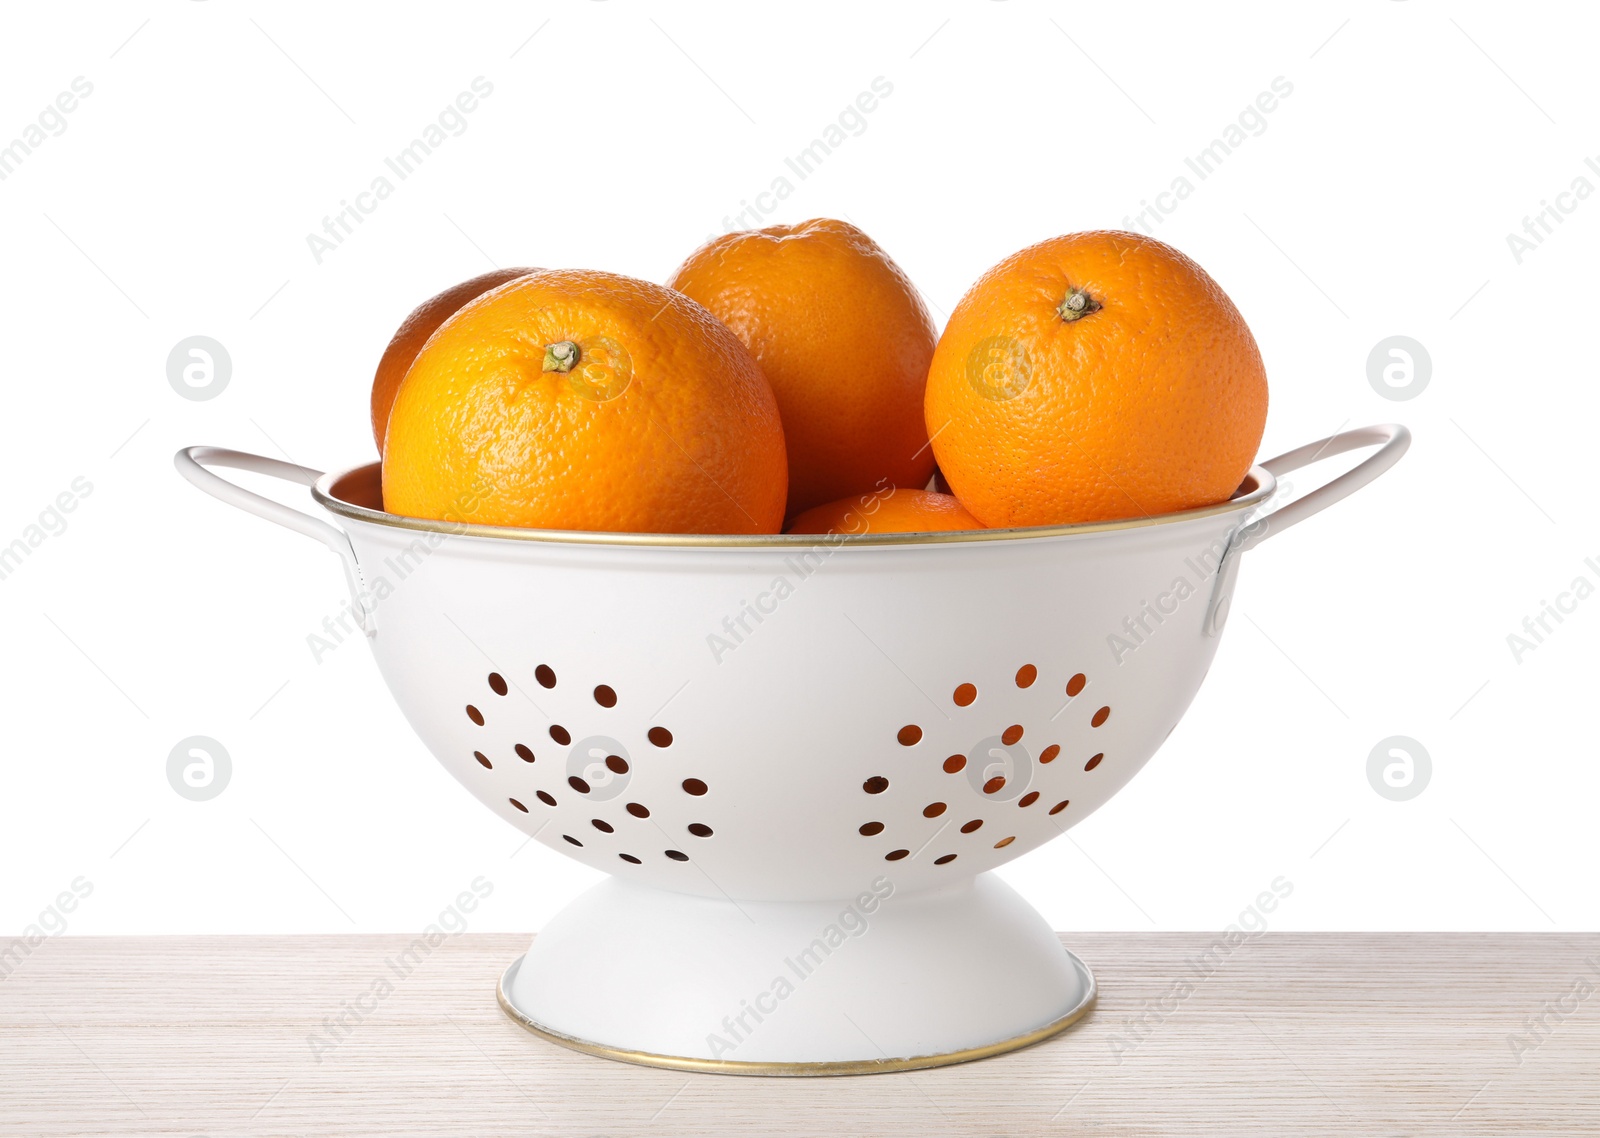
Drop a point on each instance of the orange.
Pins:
(414, 331)
(579, 400)
(1094, 377)
(901, 511)
(844, 340)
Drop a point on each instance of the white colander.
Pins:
(797, 757)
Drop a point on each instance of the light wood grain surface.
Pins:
(1294, 1034)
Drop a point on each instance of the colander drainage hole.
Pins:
(933, 809)
(638, 810)
(694, 786)
(605, 696)
(1028, 799)
(964, 695)
(616, 764)
(545, 675)
(602, 825)
(1100, 717)
(972, 825)
(677, 855)
(659, 737)
(1060, 806)
(547, 799)
(1075, 684)
(700, 829)
(572, 839)
(896, 855)
(1094, 762)
(630, 859)
(475, 715)
(483, 759)
(497, 683)
(995, 785)
(1025, 677)
(1012, 735)
(560, 734)
(578, 784)
(1048, 755)
(909, 735)
(945, 860)
(518, 805)
(877, 784)
(955, 764)
(524, 752)
(1004, 842)
(871, 829)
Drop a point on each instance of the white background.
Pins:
(1376, 202)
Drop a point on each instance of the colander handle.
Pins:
(194, 463)
(1391, 439)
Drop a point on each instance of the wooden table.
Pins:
(1293, 1034)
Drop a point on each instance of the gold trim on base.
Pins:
(792, 1070)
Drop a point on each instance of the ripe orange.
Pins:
(581, 400)
(414, 331)
(844, 340)
(902, 511)
(1094, 377)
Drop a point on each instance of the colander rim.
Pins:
(322, 492)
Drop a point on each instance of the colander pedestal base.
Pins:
(882, 981)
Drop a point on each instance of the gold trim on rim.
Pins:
(322, 493)
(796, 1070)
